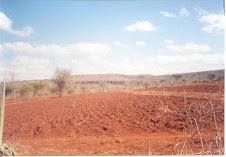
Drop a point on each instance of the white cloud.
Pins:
(140, 43)
(1, 48)
(78, 49)
(169, 41)
(116, 43)
(26, 31)
(185, 63)
(31, 68)
(141, 26)
(215, 22)
(200, 11)
(39, 62)
(188, 47)
(169, 64)
(42, 68)
(6, 25)
(184, 11)
(166, 14)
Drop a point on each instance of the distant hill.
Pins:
(194, 75)
(125, 78)
(120, 77)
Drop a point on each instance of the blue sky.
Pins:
(126, 37)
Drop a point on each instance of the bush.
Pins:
(8, 90)
(195, 81)
(211, 76)
(37, 87)
(162, 80)
(220, 78)
(70, 91)
(25, 89)
(184, 80)
(146, 85)
(53, 90)
(177, 76)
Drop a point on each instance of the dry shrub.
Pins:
(203, 119)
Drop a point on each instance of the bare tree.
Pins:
(102, 85)
(12, 76)
(146, 85)
(131, 84)
(83, 89)
(61, 78)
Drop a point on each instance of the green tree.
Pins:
(8, 90)
(177, 76)
(211, 76)
(25, 89)
(37, 87)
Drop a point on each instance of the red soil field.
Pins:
(139, 122)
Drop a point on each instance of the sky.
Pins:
(113, 37)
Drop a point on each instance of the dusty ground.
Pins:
(139, 122)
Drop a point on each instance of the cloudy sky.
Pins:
(124, 37)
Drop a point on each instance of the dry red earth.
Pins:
(141, 122)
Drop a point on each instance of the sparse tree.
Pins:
(102, 85)
(184, 80)
(12, 76)
(37, 87)
(211, 76)
(83, 89)
(177, 76)
(25, 89)
(195, 81)
(131, 84)
(146, 85)
(162, 80)
(139, 83)
(219, 78)
(61, 78)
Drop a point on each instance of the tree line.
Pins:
(63, 78)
